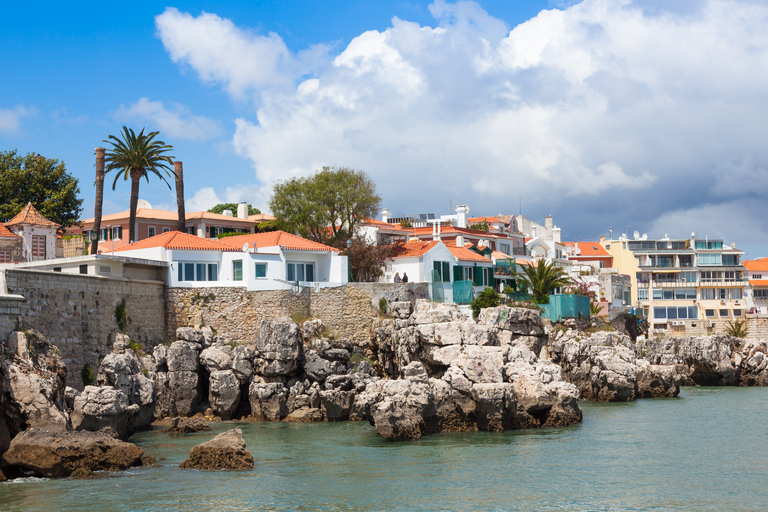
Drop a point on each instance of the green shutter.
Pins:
(477, 276)
(437, 267)
(491, 279)
(457, 273)
(446, 272)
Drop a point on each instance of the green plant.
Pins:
(595, 308)
(88, 375)
(737, 329)
(120, 316)
(357, 358)
(383, 306)
(301, 315)
(487, 298)
(137, 347)
(145, 372)
(544, 279)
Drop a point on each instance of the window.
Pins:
(642, 294)
(678, 312)
(729, 275)
(166, 229)
(83, 269)
(151, 231)
(711, 259)
(704, 244)
(722, 293)
(441, 272)
(710, 313)
(104, 232)
(237, 270)
(688, 277)
(723, 313)
(466, 273)
(191, 271)
(757, 276)
(685, 260)
(761, 293)
(504, 248)
(684, 294)
(38, 246)
(656, 293)
(707, 294)
(659, 312)
(261, 270)
(301, 271)
(736, 293)
(668, 294)
(192, 230)
(116, 232)
(57, 269)
(730, 259)
(5, 256)
(736, 312)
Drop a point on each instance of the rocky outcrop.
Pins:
(225, 451)
(278, 347)
(186, 426)
(99, 407)
(605, 368)
(177, 379)
(60, 454)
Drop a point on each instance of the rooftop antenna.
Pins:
(610, 233)
(521, 204)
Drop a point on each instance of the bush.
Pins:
(383, 306)
(120, 316)
(737, 329)
(487, 298)
(88, 375)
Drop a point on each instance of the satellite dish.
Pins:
(693, 234)
(636, 234)
(644, 237)
(245, 247)
(142, 203)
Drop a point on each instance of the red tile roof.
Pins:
(464, 254)
(475, 220)
(153, 214)
(275, 238)
(4, 231)
(760, 265)
(588, 249)
(384, 225)
(758, 282)
(29, 215)
(414, 248)
(179, 240)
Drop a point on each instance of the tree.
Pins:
(99, 202)
(219, 208)
(367, 261)
(544, 279)
(44, 182)
(481, 226)
(488, 298)
(327, 206)
(135, 157)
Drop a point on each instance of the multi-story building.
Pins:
(757, 296)
(688, 285)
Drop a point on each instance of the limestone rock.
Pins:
(225, 451)
(182, 356)
(59, 454)
(178, 393)
(481, 364)
(316, 367)
(654, 381)
(217, 357)
(180, 425)
(190, 335)
(224, 393)
(99, 407)
(268, 400)
(305, 415)
(242, 364)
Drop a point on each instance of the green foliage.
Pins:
(544, 279)
(481, 226)
(487, 298)
(327, 206)
(368, 261)
(88, 375)
(145, 372)
(219, 208)
(44, 182)
(120, 317)
(405, 223)
(383, 306)
(231, 233)
(138, 348)
(357, 358)
(508, 290)
(595, 308)
(300, 315)
(737, 329)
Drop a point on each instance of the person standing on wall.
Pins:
(397, 277)
(405, 277)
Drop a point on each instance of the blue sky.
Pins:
(639, 113)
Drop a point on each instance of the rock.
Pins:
(225, 451)
(182, 357)
(337, 404)
(337, 354)
(217, 358)
(122, 370)
(178, 393)
(99, 407)
(654, 381)
(543, 398)
(495, 405)
(401, 310)
(268, 400)
(224, 393)
(279, 340)
(191, 335)
(241, 363)
(186, 425)
(481, 364)
(59, 454)
(316, 367)
(160, 355)
(305, 415)
(312, 328)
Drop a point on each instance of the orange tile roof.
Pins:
(464, 254)
(261, 217)
(275, 238)
(385, 225)
(475, 220)
(588, 249)
(760, 265)
(4, 231)
(178, 240)
(758, 282)
(154, 214)
(414, 248)
(29, 215)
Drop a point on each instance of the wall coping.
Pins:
(49, 273)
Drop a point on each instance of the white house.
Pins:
(261, 261)
(38, 234)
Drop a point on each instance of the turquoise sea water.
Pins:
(705, 450)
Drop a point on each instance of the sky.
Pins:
(619, 115)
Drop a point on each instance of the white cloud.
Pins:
(10, 119)
(606, 109)
(206, 198)
(176, 121)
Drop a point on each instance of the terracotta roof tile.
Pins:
(758, 282)
(29, 215)
(178, 240)
(275, 238)
(384, 225)
(464, 254)
(760, 265)
(4, 231)
(588, 249)
(414, 248)
(154, 214)
(475, 220)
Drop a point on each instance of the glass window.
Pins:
(693, 312)
(672, 313)
(736, 312)
(669, 294)
(707, 294)
(680, 294)
(657, 293)
(710, 259)
(189, 272)
(151, 231)
(237, 270)
(710, 313)
(165, 230)
(642, 294)
(213, 272)
(38, 246)
(117, 232)
(724, 313)
(730, 259)
(660, 312)
(261, 270)
(722, 293)
(301, 272)
(200, 274)
(682, 313)
(761, 293)
(736, 293)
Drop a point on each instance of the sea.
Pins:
(706, 450)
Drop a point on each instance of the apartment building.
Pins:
(693, 286)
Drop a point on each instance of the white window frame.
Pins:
(166, 229)
(181, 271)
(304, 265)
(151, 231)
(115, 232)
(5, 256)
(256, 270)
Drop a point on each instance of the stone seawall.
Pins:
(348, 311)
(77, 313)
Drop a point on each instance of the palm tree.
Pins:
(544, 279)
(134, 157)
(99, 200)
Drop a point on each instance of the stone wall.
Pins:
(77, 313)
(10, 314)
(349, 311)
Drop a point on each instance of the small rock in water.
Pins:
(225, 451)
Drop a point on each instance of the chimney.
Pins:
(242, 211)
(459, 241)
(178, 169)
(386, 213)
(733, 245)
(461, 215)
(548, 222)
(556, 235)
(227, 213)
